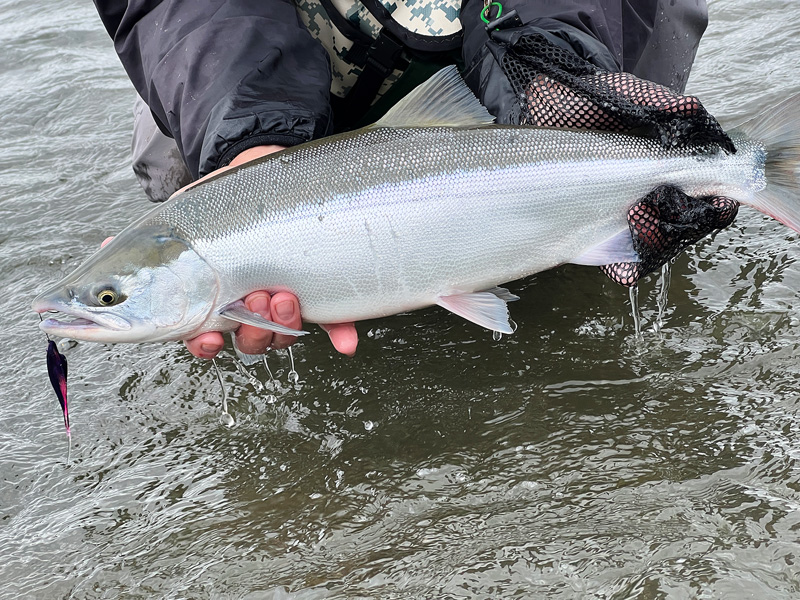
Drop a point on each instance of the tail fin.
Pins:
(778, 129)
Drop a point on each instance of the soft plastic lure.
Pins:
(57, 371)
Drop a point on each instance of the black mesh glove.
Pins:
(553, 87)
(663, 224)
(568, 79)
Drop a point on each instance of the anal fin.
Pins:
(487, 309)
(503, 294)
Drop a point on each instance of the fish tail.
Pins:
(778, 129)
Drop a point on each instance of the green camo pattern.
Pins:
(427, 17)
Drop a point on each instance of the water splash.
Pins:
(248, 375)
(633, 294)
(663, 290)
(266, 366)
(497, 336)
(65, 344)
(269, 398)
(225, 417)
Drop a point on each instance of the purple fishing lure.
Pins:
(57, 371)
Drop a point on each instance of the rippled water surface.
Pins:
(566, 461)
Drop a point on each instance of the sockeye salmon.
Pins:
(431, 205)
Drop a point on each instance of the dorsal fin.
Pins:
(443, 100)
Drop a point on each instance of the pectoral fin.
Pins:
(238, 312)
(487, 309)
(616, 249)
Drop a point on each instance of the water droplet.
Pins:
(369, 425)
(513, 325)
(497, 336)
(293, 375)
(266, 366)
(225, 417)
(243, 371)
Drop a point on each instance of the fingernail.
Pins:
(284, 310)
(259, 304)
(210, 348)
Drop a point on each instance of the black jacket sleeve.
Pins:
(221, 76)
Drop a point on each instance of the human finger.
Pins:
(344, 337)
(250, 339)
(206, 345)
(285, 311)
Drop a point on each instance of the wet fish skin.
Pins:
(468, 210)
(388, 219)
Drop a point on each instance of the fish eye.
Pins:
(107, 297)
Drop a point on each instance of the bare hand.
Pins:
(282, 308)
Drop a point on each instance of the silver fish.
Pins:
(431, 205)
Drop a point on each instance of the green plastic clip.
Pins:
(485, 12)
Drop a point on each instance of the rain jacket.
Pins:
(221, 76)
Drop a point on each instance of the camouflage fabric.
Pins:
(427, 17)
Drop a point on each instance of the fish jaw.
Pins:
(83, 323)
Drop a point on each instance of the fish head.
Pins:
(146, 284)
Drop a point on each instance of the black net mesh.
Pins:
(558, 89)
(665, 222)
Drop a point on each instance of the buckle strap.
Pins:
(380, 59)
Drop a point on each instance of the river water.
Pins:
(569, 460)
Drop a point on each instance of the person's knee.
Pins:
(157, 162)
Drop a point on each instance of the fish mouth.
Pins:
(71, 322)
(61, 327)
(78, 327)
